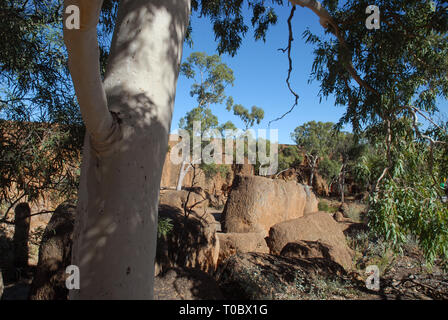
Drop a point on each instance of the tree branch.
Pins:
(326, 20)
(414, 110)
(23, 218)
(83, 58)
(288, 49)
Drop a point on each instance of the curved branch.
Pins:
(414, 110)
(84, 65)
(326, 20)
(317, 8)
(288, 49)
(5, 221)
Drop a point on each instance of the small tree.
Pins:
(249, 119)
(347, 152)
(207, 121)
(316, 139)
(211, 76)
(289, 157)
(329, 168)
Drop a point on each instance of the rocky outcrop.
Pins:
(214, 186)
(191, 243)
(233, 243)
(319, 226)
(178, 198)
(54, 256)
(260, 276)
(257, 203)
(339, 217)
(312, 204)
(186, 284)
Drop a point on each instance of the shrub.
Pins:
(323, 206)
(164, 227)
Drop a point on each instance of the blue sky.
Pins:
(260, 71)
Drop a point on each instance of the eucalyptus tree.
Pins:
(385, 79)
(210, 78)
(347, 153)
(35, 86)
(206, 121)
(289, 157)
(127, 120)
(126, 108)
(315, 140)
(255, 115)
(389, 79)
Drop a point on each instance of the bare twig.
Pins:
(288, 49)
(10, 207)
(23, 218)
(281, 172)
(326, 20)
(187, 210)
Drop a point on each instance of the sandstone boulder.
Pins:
(319, 226)
(192, 242)
(232, 243)
(255, 276)
(339, 217)
(312, 204)
(54, 256)
(186, 284)
(257, 203)
(178, 198)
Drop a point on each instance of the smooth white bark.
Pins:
(184, 169)
(83, 54)
(116, 227)
(317, 8)
(182, 173)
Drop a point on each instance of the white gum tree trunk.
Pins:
(184, 168)
(127, 118)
